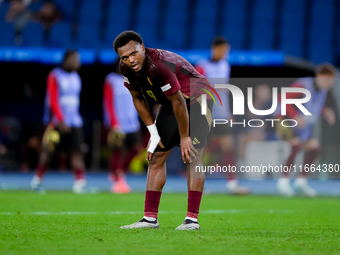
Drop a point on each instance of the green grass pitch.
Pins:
(65, 223)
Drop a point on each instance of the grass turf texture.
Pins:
(239, 225)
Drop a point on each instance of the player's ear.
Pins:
(142, 47)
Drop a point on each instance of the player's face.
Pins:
(220, 51)
(73, 62)
(324, 81)
(133, 55)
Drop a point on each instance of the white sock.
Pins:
(189, 218)
(149, 218)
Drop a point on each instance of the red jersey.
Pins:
(163, 74)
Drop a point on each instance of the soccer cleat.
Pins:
(143, 223)
(235, 189)
(120, 187)
(189, 225)
(36, 184)
(284, 188)
(302, 186)
(80, 187)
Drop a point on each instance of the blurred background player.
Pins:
(301, 136)
(217, 67)
(64, 131)
(124, 138)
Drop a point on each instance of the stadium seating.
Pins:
(299, 28)
(263, 25)
(292, 27)
(33, 35)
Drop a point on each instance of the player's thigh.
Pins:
(200, 125)
(167, 127)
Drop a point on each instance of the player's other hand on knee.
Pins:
(63, 127)
(188, 150)
(329, 116)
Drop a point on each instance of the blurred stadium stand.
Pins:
(301, 28)
(269, 38)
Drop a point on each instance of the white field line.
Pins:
(232, 211)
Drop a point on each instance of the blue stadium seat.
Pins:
(60, 35)
(66, 8)
(321, 31)
(292, 30)
(7, 34)
(3, 10)
(90, 14)
(263, 28)
(175, 24)
(33, 35)
(146, 22)
(204, 24)
(118, 19)
(234, 23)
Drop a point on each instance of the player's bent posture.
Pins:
(173, 82)
(64, 130)
(301, 135)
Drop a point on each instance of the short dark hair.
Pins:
(325, 69)
(69, 53)
(125, 37)
(219, 40)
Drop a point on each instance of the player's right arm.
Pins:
(144, 112)
(53, 94)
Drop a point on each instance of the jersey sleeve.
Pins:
(200, 69)
(109, 109)
(169, 82)
(52, 91)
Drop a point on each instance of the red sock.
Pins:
(291, 158)
(127, 159)
(229, 159)
(309, 158)
(194, 201)
(115, 163)
(40, 171)
(151, 205)
(79, 173)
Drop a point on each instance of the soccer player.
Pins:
(64, 131)
(301, 137)
(217, 67)
(124, 138)
(173, 82)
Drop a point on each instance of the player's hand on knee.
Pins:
(149, 153)
(63, 127)
(188, 150)
(154, 141)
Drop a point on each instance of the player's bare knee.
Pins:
(158, 160)
(312, 144)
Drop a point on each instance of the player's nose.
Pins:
(131, 59)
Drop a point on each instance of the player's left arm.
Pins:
(182, 117)
(171, 88)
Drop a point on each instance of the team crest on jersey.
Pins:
(166, 87)
(126, 80)
(160, 50)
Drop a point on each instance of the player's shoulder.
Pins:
(303, 82)
(111, 77)
(56, 71)
(202, 62)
